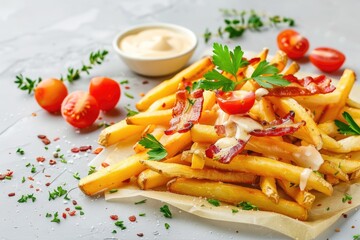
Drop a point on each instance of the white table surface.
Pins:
(42, 38)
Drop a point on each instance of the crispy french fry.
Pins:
(166, 102)
(346, 165)
(330, 168)
(303, 198)
(268, 187)
(198, 156)
(165, 88)
(114, 175)
(234, 194)
(118, 132)
(353, 104)
(179, 170)
(343, 88)
(292, 69)
(271, 168)
(149, 179)
(279, 60)
(310, 131)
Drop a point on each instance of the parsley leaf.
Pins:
(247, 206)
(356, 237)
(140, 202)
(214, 202)
(120, 224)
(348, 129)
(347, 197)
(267, 75)
(167, 226)
(157, 150)
(56, 219)
(130, 112)
(166, 211)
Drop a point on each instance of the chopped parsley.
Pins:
(20, 151)
(92, 169)
(24, 198)
(76, 176)
(142, 214)
(124, 81)
(56, 219)
(58, 192)
(113, 190)
(140, 202)
(167, 226)
(214, 202)
(166, 211)
(130, 112)
(234, 210)
(157, 150)
(346, 198)
(356, 237)
(120, 224)
(247, 206)
(129, 95)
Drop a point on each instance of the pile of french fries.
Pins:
(267, 174)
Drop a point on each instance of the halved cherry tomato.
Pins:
(80, 109)
(327, 59)
(50, 93)
(235, 102)
(292, 43)
(106, 91)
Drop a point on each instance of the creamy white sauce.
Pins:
(155, 42)
(260, 92)
(244, 125)
(308, 157)
(304, 177)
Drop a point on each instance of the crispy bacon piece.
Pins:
(279, 127)
(225, 151)
(186, 112)
(303, 87)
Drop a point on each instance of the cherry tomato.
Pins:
(106, 91)
(50, 93)
(292, 43)
(80, 109)
(235, 102)
(327, 59)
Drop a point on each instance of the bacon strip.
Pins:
(227, 153)
(186, 112)
(303, 87)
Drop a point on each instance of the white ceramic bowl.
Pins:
(156, 66)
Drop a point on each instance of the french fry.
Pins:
(330, 168)
(179, 170)
(234, 194)
(149, 179)
(113, 176)
(198, 156)
(271, 168)
(279, 60)
(346, 165)
(343, 88)
(165, 88)
(118, 132)
(166, 102)
(268, 187)
(303, 198)
(292, 69)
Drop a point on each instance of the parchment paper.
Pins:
(325, 211)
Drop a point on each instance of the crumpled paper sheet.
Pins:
(325, 212)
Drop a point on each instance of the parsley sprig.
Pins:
(157, 150)
(73, 74)
(348, 129)
(238, 22)
(265, 74)
(58, 192)
(247, 206)
(166, 211)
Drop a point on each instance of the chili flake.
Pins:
(75, 150)
(114, 217)
(72, 213)
(67, 209)
(40, 159)
(85, 148)
(64, 215)
(132, 218)
(140, 234)
(11, 194)
(52, 162)
(47, 184)
(105, 164)
(74, 202)
(97, 150)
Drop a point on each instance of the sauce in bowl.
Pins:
(155, 42)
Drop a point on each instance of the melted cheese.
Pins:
(260, 92)
(309, 157)
(304, 177)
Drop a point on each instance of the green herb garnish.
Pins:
(24, 198)
(214, 202)
(124, 81)
(130, 112)
(120, 224)
(76, 176)
(157, 150)
(20, 151)
(346, 198)
(356, 237)
(129, 95)
(58, 192)
(92, 169)
(113, 190)
(247, 206)
(166, 211)
(56, 219)
(142, 214)
(234, 210)
(167, 226)
(348, 129)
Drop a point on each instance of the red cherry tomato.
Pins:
(327, 59)
(50, 93)
(292, 43)
(106, 91)
(80, 109)
(235, 102)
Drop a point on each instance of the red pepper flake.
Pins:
(56, 139)
(142, 94)
(105, 164)
(114, 217)
(11, 194)
(34, 114)
(41, 136)
(52, 162)
(46, 141)
(100, 118)
(75, 150)
(127, 87)
(74, 202)
(47, 175)
(64, 215)
(31, 178)
(38, 189)
(47, 184)
(31, 186)
(349, 202)
(67, 209)
(97, 150)
(140, 234)
(40, 159)
(2, 176)
(132, 218)
(145, 82)
(85, 148)
(72, 213)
